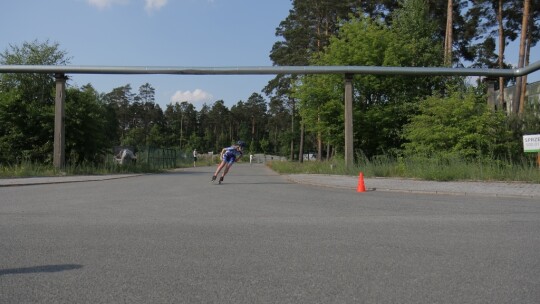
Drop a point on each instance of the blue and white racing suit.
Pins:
(231, 154)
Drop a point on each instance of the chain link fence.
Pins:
(150, 157)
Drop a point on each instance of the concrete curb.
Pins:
(464, 188)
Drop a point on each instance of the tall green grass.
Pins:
(28, 169)
(144, 164)
(438, 169)
(25, 169)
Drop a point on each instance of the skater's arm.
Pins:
(239, 156)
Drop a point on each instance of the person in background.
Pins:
(229, 156)
(194, 157)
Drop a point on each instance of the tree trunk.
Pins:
(522, 46)
(328, 151)
(181, 130)
(301, 147)
(319, 140)
(501, 53)
(448, 41)
(523, 99)
(275, 143)
(292, 130)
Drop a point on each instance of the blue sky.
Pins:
(197, 33)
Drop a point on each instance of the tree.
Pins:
(452, 28)
(27, 128)
(489, 20)
(383, 104)
(448, 39)
(321, 108)
(26, 103)
(120, 100)
(181, 121)
(256, 107)
(264, 145)
(86, 126)
(144, 111)
(218, 125)
(249, 119)
(519, 100)
(306, 31)
(32, 86)
(278, 127)
(203, 132)
(460, 125)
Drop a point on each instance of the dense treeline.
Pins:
(393, 114)
(395, 33)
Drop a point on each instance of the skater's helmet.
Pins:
(241, 143)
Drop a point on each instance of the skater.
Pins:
(228, 156)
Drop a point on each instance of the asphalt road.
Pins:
(258, 238)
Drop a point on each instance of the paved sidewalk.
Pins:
(502, 189)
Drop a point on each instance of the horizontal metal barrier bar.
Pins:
(273, 70)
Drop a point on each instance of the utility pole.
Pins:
(59, 154)
(252, 128)
(181, 129)
(349, 145)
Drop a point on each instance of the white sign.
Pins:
(531, 143)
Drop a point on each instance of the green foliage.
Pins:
(27, 129)
(379, 127)
(195, 142)
(459, 125)
(264, 145)
(320, 106)
(252, 148)
(32, 87)
(383, 104)
(86, 126)
(26, 104)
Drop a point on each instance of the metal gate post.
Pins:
(59, 156)
(349, 138)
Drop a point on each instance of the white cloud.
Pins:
(101, 4)
(152, 5)
(197, 96)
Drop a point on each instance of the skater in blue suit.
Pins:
(229, 156)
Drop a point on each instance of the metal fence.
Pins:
(152, 157)
(160, 158)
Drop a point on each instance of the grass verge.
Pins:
(421, 168)
(28, 169)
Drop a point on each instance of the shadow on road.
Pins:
(40, 269)
(254, 183)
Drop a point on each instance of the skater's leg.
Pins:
(227, 167)
(219, 168)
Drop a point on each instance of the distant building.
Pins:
(310, 156)
(532, 95)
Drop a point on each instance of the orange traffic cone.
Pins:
(361, 187)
